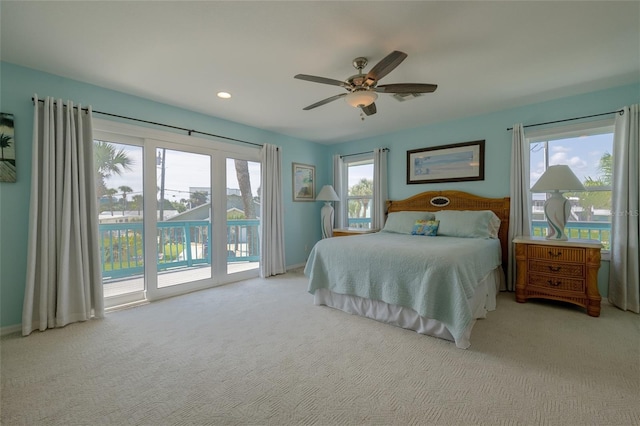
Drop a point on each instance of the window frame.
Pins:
(356, 160)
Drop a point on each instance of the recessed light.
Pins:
(224, 95)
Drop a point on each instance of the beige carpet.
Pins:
(259, 352)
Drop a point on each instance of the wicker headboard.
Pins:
(433, 201)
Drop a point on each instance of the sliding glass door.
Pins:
(176, 214)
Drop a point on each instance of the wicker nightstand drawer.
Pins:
(557, 254)
(556, 283)
(564, 269)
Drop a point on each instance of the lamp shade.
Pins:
(361, 98)
(558, 178)
(327, 194)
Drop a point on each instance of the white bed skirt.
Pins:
(483, 301)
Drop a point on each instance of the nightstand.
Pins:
(558, 270)
(345, 232)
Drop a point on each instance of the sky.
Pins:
(183, 170)
(581, 154)
(356, 173)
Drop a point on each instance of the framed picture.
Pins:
(7, 149)
(446, 163)
(304, 182)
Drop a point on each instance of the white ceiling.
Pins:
(484, 56)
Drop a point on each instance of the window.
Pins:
(587, 149)
(359, 178)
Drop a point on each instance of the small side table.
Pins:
(345, 232)
(558, 270)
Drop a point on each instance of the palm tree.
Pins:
(362, 188)
(110, 192)
(125, 190)
(244, 181)
(590, 200)
(606, 168)
(5, 142)
(108, 161)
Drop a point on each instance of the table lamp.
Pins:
(555, 180)
(327, 194)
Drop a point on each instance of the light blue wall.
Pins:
(18, 85)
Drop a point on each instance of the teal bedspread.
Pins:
(434, 276)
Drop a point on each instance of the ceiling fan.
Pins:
(362, 89)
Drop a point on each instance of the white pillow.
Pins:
(402, 222)
(468, 224)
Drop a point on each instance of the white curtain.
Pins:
(64, 280)
(379, 188)
(272, 213)
(339, 185)
(624, 283)
(520, 204)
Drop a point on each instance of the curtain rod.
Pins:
(359, 153)
(621, 112)
(189, 131)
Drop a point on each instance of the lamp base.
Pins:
(326, 220)
(557, 210)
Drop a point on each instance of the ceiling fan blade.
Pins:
(369, 110)
(406, 88)
(325, 101)
(385, 66)
(322, 80)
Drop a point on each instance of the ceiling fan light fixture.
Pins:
(361, 98)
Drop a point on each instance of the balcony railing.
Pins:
(359, 205)
(359, 222)
(600, 231)
(179, 244)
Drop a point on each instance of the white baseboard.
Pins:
(10, 329)
(297, 266)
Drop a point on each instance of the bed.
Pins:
(435, 268)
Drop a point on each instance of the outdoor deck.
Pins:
(118, 287)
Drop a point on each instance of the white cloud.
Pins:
(563, 158)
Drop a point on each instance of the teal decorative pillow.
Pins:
(426, 227)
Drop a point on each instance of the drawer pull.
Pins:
(557, 254)
(555, 284)
(555, 269)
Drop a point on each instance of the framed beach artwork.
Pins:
(304, 182)
(446, 163)
(7, 149)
